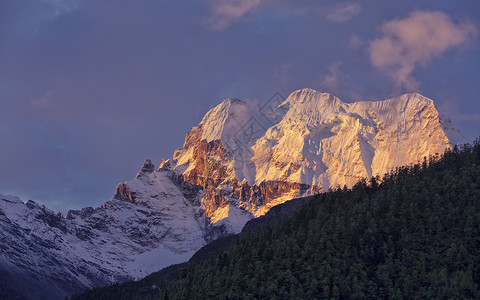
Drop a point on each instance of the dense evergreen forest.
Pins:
(412, 234)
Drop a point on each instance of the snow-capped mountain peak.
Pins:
(221, 122)
(311, 97)
(307, 108)
(319, 142)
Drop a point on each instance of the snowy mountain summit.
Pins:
(241, 160)
(253, 158)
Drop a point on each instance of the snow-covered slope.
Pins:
(240, 161)
(151, 222)
(324, 142)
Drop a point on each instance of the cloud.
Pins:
(451, 108)
(330, 81)
(44, 102)
(416, 40)
(48, 107)
(343, 12)
(282, 75)
(355, 41)
(226, 12)
(61, 7)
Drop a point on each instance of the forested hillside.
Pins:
(412, 234)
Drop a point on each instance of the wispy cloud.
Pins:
(343, 12)
(48, 107)
(224, 13)
(356, 42)
(416, 40)
(452, 109)
(331, 81)
(61, 7)
(282, 74)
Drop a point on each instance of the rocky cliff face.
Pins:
(240, 161)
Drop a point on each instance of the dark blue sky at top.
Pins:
(89, 89)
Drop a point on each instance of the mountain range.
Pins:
(241, 160)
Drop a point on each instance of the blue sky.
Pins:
(89, 89)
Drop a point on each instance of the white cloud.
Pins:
(226, 12)
(416, 40)
(330, 81)
(343, 12)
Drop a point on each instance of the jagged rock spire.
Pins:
(147, 168)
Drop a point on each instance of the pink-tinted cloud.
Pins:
(416, 40)
(224, 13)
(452, 110)
(355, 42)
(48, 107)
(282, 74)
(343, 12)
(331, 81)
